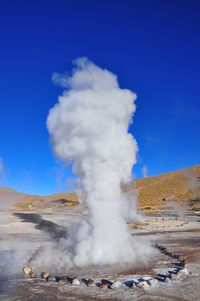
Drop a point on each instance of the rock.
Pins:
(84, 281)
(167, 280)
(177, 270)
(46, 276)
(161, 248)
(27, 270)
(56, 278)
(104, 285)
(179, 263)
(183, 273)
(90, 282)
(133, 285)
(75, 281)
(106, 281)
(142, 284)
(62, 281)
(154, 282)
(168, 253)
(115, 285)
(130, 282)
(161, 277)
(33, 275)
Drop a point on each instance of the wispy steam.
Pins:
(193, 180)
(145, 171)
(89, 127)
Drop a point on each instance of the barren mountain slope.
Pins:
(182, 186)
(154, 192)
(8, 197)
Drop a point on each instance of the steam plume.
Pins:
(145, 171)
(89, 127)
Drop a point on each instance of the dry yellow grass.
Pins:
(181, 186)
(65, 200)
(154, 193)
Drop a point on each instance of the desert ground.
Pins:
(174, 236)
(169, 224)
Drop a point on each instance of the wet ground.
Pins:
(23, 233)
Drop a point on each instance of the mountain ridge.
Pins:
(155, 192)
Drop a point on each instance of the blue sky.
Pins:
(152, 46)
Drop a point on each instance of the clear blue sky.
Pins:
(153, 47)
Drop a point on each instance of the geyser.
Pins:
(89, 127)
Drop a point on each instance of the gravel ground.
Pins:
(22, 233)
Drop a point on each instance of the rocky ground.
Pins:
(171, 273)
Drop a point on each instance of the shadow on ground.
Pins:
(54, 230)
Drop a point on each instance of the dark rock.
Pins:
(105, 281)
(161, 277)
(46, 275)
(133, 285)
(90, 282)
(179, 263)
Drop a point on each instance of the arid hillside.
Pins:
(10, 199)
(59, 200)
(155, 193)
(180, 186)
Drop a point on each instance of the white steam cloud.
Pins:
(145, 171)
(89, 127)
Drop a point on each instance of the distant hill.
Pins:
(180, 186)
(58, 200)
(155, 193)
(10, 199)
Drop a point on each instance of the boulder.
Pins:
(115, 285)
(46, 276)
(33, 275)
(62, 279)
(162, 277)
(90, 282)
(133, 285)
(153, 282)
(142, 284)
(27, 270)
(182, 273)
(104, 285)
(179, 263)
(75, 281)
